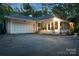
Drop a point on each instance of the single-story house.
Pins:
(47, 24)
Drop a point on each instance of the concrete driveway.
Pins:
(38, 45)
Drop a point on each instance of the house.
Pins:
(47, 24)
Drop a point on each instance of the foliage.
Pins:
(27, 9)
(5, 9)
(66, 10)
(37, 14)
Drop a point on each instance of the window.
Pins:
(56, 24)
(49, 27)
(43, 26)
(64, 25)
(52, 26)
(39, 24)
(61, 25)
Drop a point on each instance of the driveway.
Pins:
(38, 45)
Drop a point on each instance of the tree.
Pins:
(5, 10)
(27, 9)
(68, 12)
(37, 14)
(65, 10)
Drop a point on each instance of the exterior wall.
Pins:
(21, 27)
(54, 31)
(57, 31)
(31, 26)
(49, 21)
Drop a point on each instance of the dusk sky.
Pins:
(37, 6)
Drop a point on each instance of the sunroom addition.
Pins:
(53, 26)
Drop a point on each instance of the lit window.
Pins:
(39, 24)
(49, 27)
(61, 25)
(64, 25)
(56, 24)
(43, 26)
(52, 26)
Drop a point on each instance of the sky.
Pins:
(36, 6)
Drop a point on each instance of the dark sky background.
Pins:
(37, 6)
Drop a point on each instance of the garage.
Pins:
(15, 26)
(21, 28)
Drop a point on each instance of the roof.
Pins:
(19, 17)
(74, 18)
(45, 17)
(22, 17)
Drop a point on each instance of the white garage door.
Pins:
(21, 28)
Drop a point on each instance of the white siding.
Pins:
(57, 31)
(19, 27)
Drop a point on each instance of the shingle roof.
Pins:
(44, 17)
(22, 17)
